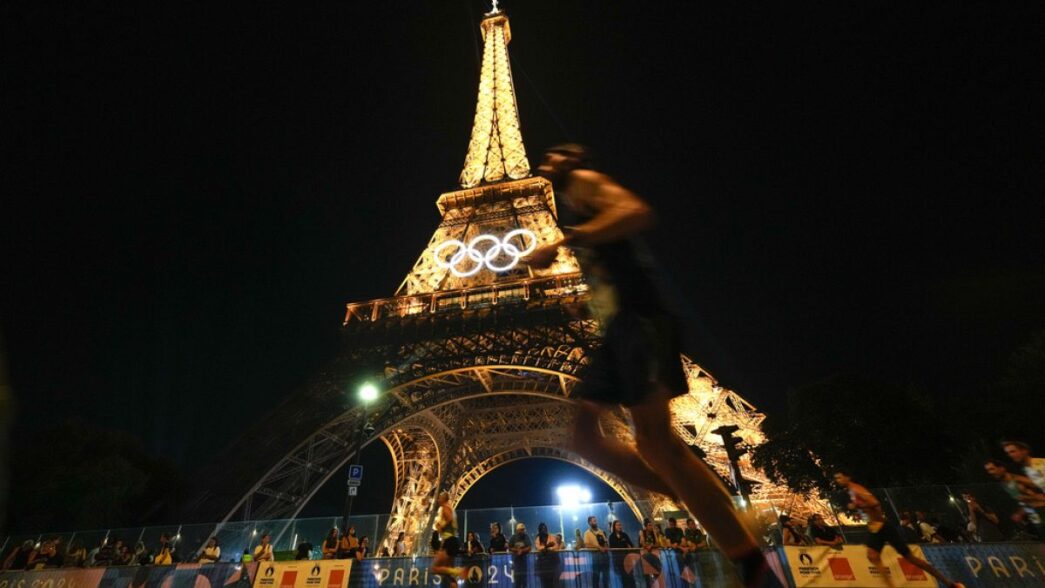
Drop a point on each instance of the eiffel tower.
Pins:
(477, 356)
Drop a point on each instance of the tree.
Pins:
(884, 434)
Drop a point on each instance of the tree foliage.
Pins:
(884, 434)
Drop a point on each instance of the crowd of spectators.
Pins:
(1023, 480)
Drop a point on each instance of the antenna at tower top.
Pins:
(494, 9)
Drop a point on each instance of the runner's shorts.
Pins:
(638, 352)
(891, 535)
(452, 546)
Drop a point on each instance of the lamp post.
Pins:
(367, 394)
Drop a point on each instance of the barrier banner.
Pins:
(322, 573)
(849, 566)
(991, 564)
(582, 569)
(59, 578)
(179, 576)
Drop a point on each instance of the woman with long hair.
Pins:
(330, 544)
(619, 540)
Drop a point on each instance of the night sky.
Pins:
(192, 193)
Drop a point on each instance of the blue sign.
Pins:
(990, 564)
(355, 474)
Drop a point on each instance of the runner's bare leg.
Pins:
(883, 572)
(690, 478)
(611, 454)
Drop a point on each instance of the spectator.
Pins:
(384, 552)
(1033, 467)
(92, 554)
(595, 540)
(42, 556)
(246, 557)
(693, 538)
(164, 555)
(363, 549)
(547, 557)
(945, 532)
(1024, 491)
(650, 553)
(673, 534)
(348, 544)
(212, 552)
(472, 547)
(560, 544)
(926, 529)
(304, 551)
(58, 559)
(18, 559)
(121, 554)
(76, 556)
(823, 534)
(908, 531)
(520, 545)
(330, 544)
(788, 533)
(263, 552)
(498, 543)
(620, 540)
(400, 546)
(141, 555)
(983, 523)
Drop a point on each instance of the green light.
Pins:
(368, 392)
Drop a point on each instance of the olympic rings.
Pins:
(498, 248)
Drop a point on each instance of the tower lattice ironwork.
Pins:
(478, 356)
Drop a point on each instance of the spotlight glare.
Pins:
(573, 495)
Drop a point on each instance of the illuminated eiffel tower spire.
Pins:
(496, 151)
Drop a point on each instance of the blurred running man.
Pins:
(638, 365)
(450, 545)
(882, 532)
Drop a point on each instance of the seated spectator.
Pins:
(76, 557)
(18, 559)
(263, 552)
(673, 534)
(212, 552)
(304, 551)
(330, 545)
(400, 546)
(824, 534)
(498, 542)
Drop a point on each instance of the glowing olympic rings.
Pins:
(499, 256)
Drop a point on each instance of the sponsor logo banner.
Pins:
(849, 566)
(324, 573)
(991, 564)
(180, 576)
(62, 578)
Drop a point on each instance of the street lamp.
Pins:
(368, 393)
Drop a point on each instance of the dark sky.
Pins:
(192, 193)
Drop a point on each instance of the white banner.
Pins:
(849, 566)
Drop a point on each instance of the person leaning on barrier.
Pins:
(823, 534)
(330, 544)
(595, 540)
(620, 540)
(400, 546)
(212, 552)
(520, 545)
(693, 538)
(498, 542)
(263, 552)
